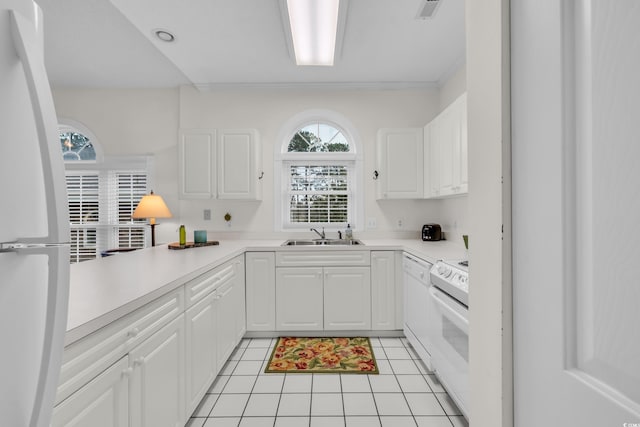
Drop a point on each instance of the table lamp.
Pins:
(152, 206)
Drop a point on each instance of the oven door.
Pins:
(450, 358)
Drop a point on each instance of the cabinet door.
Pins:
(239, 299)
(400, 157)
(433, 149)
(383, 290)
(225, 321)
(261, 291)
(448, 151)
(238, 164)
(201, 356)
(463, 175)
(299, 299)
(196, 163)
(347, 298)
(103, 402)
(157, 393)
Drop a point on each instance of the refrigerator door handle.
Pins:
(26, 44)
(31, 248)
(55, 329)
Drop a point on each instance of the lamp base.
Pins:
(153, 234)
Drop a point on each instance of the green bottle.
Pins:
(183, 235)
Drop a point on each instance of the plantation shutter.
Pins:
(100, 206)
(83, 193)
(126, 189)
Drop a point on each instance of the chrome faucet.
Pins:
(322, 235)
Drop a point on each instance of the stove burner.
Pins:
(464, 263)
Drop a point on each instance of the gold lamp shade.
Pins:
(152, 206)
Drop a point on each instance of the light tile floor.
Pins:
(403, 394)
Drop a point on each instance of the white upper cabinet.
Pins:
(239, 165)
(197, 160)
(399, 164)
(446, 151)
(222, 164)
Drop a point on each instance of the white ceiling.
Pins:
(103, 43)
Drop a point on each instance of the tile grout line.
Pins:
(374, 399)
(428, 385)
(310, 401)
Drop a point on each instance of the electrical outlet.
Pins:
(399, 224)
(371, 223)
(207, 214)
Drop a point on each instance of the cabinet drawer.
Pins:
(322, 258)
(203, 285)
(87, 358)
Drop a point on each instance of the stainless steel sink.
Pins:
(322, 242)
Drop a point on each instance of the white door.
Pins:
(201, 366)
(226, 310)
(383, 291)
(261, 291)
(299, 299)
(400, 163)
(101, 403)
(157, 393)
(576, 208)
(238, 164)
(347, 298)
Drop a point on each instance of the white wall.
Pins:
(147, 122)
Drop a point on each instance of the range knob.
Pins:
(444, 270)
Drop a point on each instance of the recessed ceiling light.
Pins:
(164, 35)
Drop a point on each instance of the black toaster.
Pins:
(431, 232)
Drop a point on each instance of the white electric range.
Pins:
(449, 294)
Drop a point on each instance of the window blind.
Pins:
(100, 207)
(319, 194)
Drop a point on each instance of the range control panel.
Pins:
(452, 280)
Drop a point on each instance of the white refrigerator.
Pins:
(34, 226)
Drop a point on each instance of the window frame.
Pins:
(283, 159)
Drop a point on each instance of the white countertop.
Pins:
(106, 289)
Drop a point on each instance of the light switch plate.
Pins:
(207, 215)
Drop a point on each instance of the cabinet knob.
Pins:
(127, 372)
(139, 361)
(133, 333)
(217, 297)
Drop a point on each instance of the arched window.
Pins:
(320, 173)
(78, 143)
(102, 194)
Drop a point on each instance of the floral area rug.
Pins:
(322, 355)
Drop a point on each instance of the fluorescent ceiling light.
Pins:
(314, 24)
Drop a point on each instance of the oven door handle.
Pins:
(439, 297)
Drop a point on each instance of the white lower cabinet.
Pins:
(214, 326)
(226, 308)
(261, 291)
(103, 402)
(323, 291)
(157, 389)
(202, 365)
(299, 299)
(347, 298)
(152, 367)
(386, 297)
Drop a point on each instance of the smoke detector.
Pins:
(427, 8)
